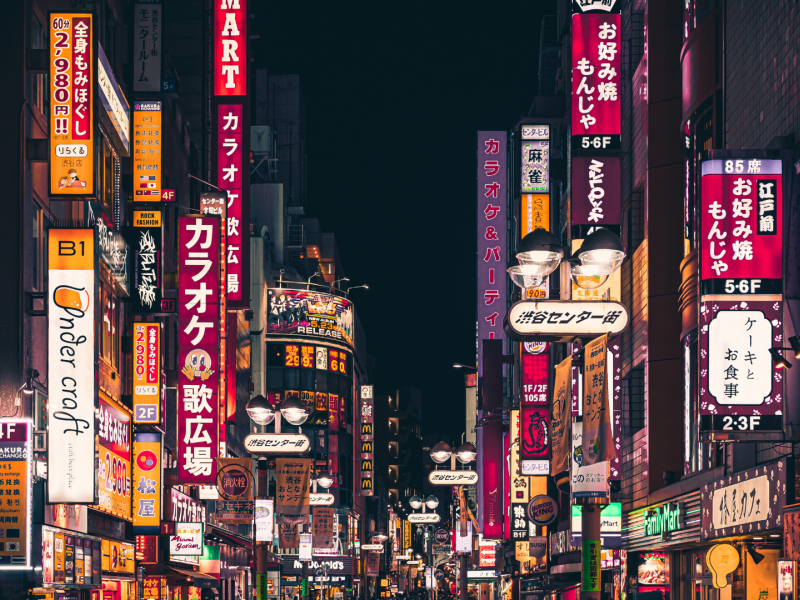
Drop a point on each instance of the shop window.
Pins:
(275, 355)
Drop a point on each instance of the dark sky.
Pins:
(394, 97)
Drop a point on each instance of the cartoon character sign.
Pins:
(534, 432)
(198, 364)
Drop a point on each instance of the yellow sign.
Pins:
(535, 213)
(72, 104)
(146, 483)
(147, 151)
(722, 560)
(114, 472)
(519, 483)
(147, 218)
(118, 557)
(71, 250)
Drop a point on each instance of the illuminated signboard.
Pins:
(147, 48)
(72, 80)
(146, 372)
(147, 483)
(147, 151)
(233, 168)
(114, 472)
(198, 348)
(71, 366)
(535, 148)
(230, 47)
(15, 486)
(596, 75)
(596, 185)
(311, 314)
(367, 423)
(146, 241)
(610, 525)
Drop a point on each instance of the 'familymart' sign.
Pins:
(663, 519)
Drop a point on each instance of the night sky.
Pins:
(394, 97)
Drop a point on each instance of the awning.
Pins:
(200, 579)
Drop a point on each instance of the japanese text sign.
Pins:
(322, 517)
(312, 314)
(146, 372)
(114, 471)
(71, 366)
(233, 173)
(147, 488)
(596, 199)
(492, 194)
(564, 318)
(366, 421)
(147, 47)
(741, 227)
(535, 373)
(72, 79)
(739, 389)
(264, 519)
(145, 238)
(183, 508)
(292, 488)
(744, 503)
(535, 169)
(535, 213)
(230, 47)
(560, 412)
(147, 151)
(598, 441)
(596, 75)
(16, 477)
(198, 358)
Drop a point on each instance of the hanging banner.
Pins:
(147, 151)
(560, 418)
(147, 48)
(740, 391)
(71, 367)
(72, 81)
(492, 194)
(373, 564)
(741, 228)
(596, 75)
(147, 483)
(293, 477)
(146, 241)
(322, 517)
(114, 472)
(598, 441)
(147, 373)
(288, 537)
(264, 519)
(198, 348)
(16, 477)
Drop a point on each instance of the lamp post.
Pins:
(262, 412)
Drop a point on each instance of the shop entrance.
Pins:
(695, 578)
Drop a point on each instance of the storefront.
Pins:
(328, 575)
(118, 571)
(70, 562)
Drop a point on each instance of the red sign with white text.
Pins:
(230, 47)
(596, 76)
(232, 172)
(741, 234)
(198, 348)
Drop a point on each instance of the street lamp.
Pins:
(601, 253)
(294, 411)
(441, 453)
(415, 501)
(260, 410)
(432, 502)
(466, 452)
(778, 361)
(355, 287)
(466, 367)
(379, 538)
(325, 479)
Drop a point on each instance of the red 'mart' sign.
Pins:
(230, 47)
(198, 348)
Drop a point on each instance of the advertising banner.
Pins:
(535, 171)
(72, 81)
(182, 508)
(322, 517)
(596, 196)
(596, 75)
(117, 557)
(492, 194)
(535, 213)
(145, 239)
(264, 519)
(230, 48)
(198, 348)
(147, 47)
(312, 314)
(16, 438)
(67, 516)
(71, 367)
(293, 477)
(187, 541)
(610, 525)
(492, 463)
(288, 536)
(147, 141)
(741, 228)
(70, 558)
(114, 472)
(739, 389)
(147, 483)
(147, 372)
(598, 441)
(560, 418)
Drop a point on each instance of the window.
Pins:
(39, 227)
(109, 179)
(110, 330)
(39, 81)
